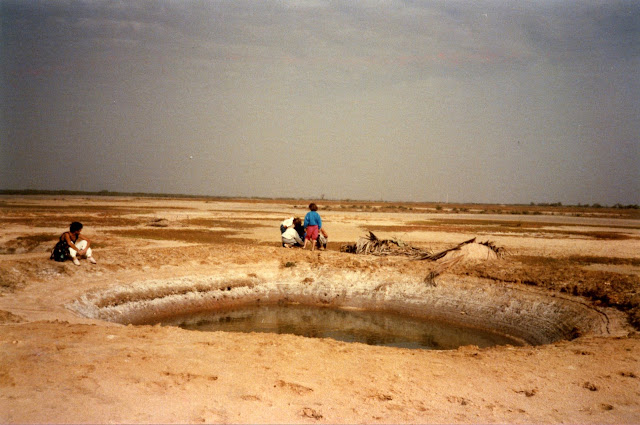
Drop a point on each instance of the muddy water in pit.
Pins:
(369, 327)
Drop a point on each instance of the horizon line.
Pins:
(31, 192)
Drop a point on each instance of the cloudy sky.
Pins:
(471, 101)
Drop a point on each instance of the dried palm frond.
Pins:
(370, 244)
(500, 251)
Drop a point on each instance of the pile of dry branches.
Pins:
(370, 244)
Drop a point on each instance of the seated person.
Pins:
(290, 236)
(71, 245)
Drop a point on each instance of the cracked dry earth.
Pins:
(60, 364)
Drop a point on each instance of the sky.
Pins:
(460, 100)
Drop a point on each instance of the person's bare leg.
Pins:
(313, 245)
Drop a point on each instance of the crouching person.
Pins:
(290, 236)
(72, 245)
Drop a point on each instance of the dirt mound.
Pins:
(473, 251)
(467, 252)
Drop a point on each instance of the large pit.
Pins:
(379, 328)
(526, 315)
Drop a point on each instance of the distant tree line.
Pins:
(596, 205)
(100, 193)
(174, 195)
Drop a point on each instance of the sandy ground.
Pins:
(57, 366)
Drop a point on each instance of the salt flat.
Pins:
(60, 364)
